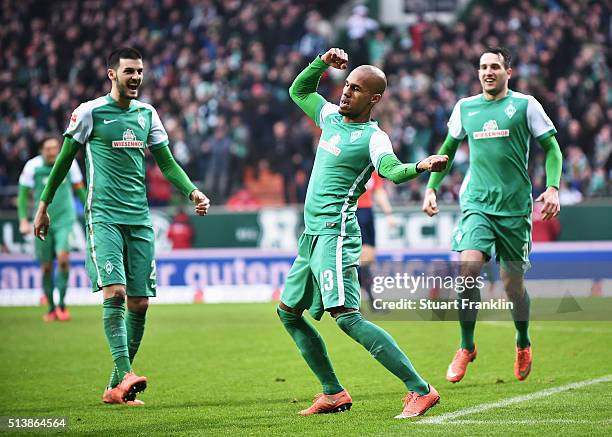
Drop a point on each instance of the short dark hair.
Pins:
(44, 139)
(503, 52)
(122, 53)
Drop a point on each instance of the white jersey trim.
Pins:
(339, 276)
(29, 169)
(538, 121)
(380, 145)
(343, 211)
(327, 109)
(75, 175)
(89, 213)
(81, 120)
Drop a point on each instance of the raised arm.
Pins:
(303, 90)
(177, 177)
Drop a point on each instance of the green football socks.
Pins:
(62, 285)
(48, 287)
(467, 317)
(520, 315)
(116, 333)
(383, 348)
(135, 324)
(312, 347)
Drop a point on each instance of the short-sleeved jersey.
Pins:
(115, 139)
(498, 135)
(346, 156)
(366, 199)
(34, 176)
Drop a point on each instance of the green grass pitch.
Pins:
(232, 369)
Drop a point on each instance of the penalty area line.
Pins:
(527, 422)
(446, 417)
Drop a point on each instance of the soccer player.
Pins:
(33, 177)
(496, 199)
(374, 191)
(115, 130)
(324, 274)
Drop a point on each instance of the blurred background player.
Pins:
(375, 192)
(116, 129)
(56, 246)
(323, 276)
(496, 200)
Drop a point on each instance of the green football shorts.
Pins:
(57, 240)
(122, 254)
(324, 274)
(509, 236)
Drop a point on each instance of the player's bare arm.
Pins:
(552, 207)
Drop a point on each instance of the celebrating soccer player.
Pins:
(496, 199)
(115, 130)
(324, 274)
(33, 177)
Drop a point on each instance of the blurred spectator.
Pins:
(358, 28)
(180, 232)
(210, 63)
(548, 230)
(159, 190)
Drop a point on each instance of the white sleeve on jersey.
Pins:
(455, 128)
(75, 174)
(27, 174)
(81, 123)
(380, 145)
(157, 134)
(327, 109)
(537, 120)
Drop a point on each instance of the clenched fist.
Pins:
(433, 163)
(336, 58)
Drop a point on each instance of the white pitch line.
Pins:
(527, 422)
(444, 418)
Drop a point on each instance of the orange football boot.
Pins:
(51, 316)
(324, 404)
(416, 404)
(457, 367)
(62, 314)
(110, 397)
(522, 365)
(126, 390)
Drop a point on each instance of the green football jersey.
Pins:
(115, 139)
(34, 176)
(498, 135)
(346, 156)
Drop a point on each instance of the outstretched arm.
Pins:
(393, 169)
(58, 173)
(303, 90)
(554, 164)
(177, 177)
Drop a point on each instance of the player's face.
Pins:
(49, 151)
(492, 74)
(128, 77)
(356, 98)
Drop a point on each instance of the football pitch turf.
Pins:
(221, 369)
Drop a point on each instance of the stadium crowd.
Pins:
(218, 74)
